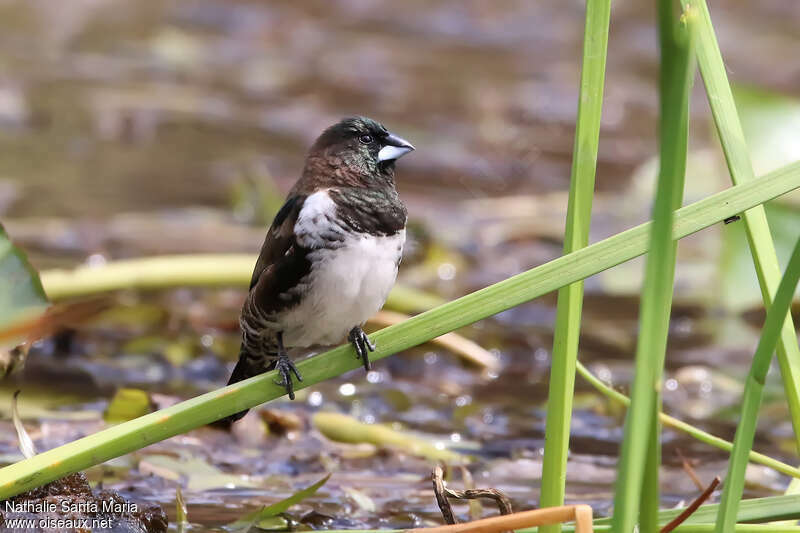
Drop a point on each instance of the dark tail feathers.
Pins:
(245, 368)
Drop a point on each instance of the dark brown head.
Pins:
(355, 152)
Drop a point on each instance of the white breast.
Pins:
(347, 285)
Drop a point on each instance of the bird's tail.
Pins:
(246, 367)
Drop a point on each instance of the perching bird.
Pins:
(331, 255)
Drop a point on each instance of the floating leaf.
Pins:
(362, 500)
(262, 516)
(197, 473)
(343, 428)
(43, 403)
(127, 404)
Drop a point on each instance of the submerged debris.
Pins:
(443, 493)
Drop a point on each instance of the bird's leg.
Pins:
(286, 368)
(362, 344)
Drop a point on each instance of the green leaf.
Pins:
(21, 294)
(753, 391)
(753, 510)
(737, 156)
(770, 122)
(259, 516)
(570, 298)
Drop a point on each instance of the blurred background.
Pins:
(135, 128)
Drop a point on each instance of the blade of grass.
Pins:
(154, 427)
(689, 429)
(246, 522)
(766, 509)
(755, 510)
(570, 298)
(762, 248)
(677, 68)
(637, 489)
(753, 389)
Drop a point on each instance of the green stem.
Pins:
(767, 509)
(197, 270)
(637, 490)
(726, 118)
(694, 432)
(570, 298)
(135, 434)
(753, 389)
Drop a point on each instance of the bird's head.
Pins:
(357, 151)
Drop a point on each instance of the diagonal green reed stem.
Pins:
(753, 389)
(637, 489)
(689, 429)
(723, 108)
(766, 509)
(570, 298)
(154, 427)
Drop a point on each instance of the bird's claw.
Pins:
(362, 345)
(286, 368)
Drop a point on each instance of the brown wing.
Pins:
(282, 263)
(280, 236)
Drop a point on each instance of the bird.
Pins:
(331, 255)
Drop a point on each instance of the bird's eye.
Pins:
(365, 139)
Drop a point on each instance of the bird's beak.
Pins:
(394, 147)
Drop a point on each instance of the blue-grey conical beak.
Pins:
(394, 147)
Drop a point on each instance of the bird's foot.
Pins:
(286, 368)
(362, 344)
